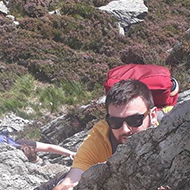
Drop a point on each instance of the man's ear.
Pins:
(153, 116)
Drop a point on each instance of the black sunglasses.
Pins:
(135, 120)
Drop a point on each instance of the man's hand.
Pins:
(61, 187)
(71, 180)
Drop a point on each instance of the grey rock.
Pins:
(57, 12)
(12, 123)
(19, 174)
(16, 23)
(75, 141)
(11, 17)
(2, 67)
(69, 124)
(3, 8)
(58, 130)
(150, 159)
(127, 12)
(183, 96)
(72, 143)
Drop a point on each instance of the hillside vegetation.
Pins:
(53, 60)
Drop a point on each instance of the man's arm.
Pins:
(44, 147)
(71, 180)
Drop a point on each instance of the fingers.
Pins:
(72, 156)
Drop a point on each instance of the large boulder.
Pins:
(127, 12)
(150, 159)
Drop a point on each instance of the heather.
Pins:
(75, 50)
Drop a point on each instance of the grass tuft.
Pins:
(30, 100)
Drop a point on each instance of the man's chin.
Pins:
(123, 140)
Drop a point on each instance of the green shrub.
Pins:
(17, 97)
(51, 97)
(24, 85)
(17, 8)
(24, 95)
(75, 92)
(11, 104)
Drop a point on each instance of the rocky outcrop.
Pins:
(71, 143)
(157, 156)
(5, 11)
(81, 119)
(13, 123)
(61, 128)
(127, 12)
(19, 174)
(149, 159)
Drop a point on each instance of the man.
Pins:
(30, 148)
(130, 109)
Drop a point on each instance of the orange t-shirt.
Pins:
(95, 149)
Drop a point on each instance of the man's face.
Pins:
(136, 106)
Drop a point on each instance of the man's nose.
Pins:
(125, 127)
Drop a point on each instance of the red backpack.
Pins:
(158, 79)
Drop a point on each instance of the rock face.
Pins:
(71, 143)
(149, 159)
(19, 174)
(127, 12)
(81, 119)
(60, 128)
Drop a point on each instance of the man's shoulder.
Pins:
(99, 131)
(101, 127)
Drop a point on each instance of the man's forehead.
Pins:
(138, 99)
(134, 102)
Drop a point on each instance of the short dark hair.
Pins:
(126, 90)
(29, 152)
